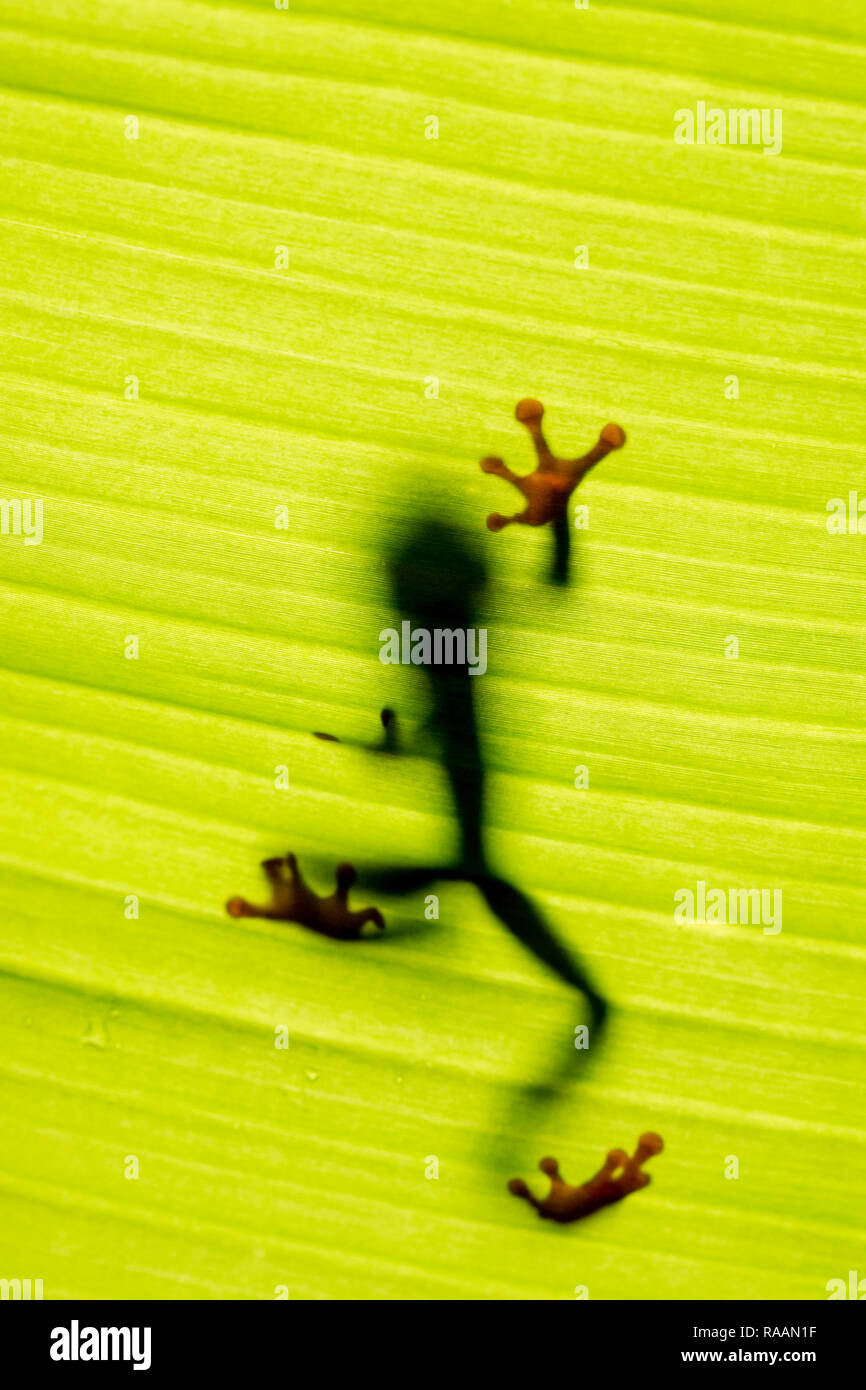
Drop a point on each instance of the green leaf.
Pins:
(262, 385)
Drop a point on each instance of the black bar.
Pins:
(225, 1339)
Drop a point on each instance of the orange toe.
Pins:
(528, 410)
